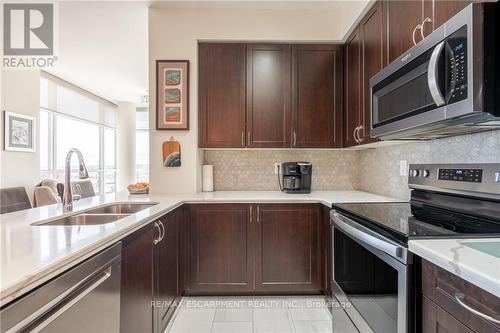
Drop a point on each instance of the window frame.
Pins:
(52, 149)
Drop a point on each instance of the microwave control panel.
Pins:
(457, 65)
(461, 175)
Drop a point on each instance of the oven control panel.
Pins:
(477, 179)
(461, 175)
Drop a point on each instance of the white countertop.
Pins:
(477, 267)
(31, 255)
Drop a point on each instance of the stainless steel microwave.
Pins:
(448, 84)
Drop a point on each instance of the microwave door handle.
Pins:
(432, 75)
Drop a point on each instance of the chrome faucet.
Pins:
(67, 199)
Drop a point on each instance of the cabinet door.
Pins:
(221, 95)
(439, 11)
(352, 90)
(221, 255)
(288, 248)
(403, 17)
(136, 312)
(317, 96)
(268, 96)
(436, 320)
(373, 34)
(166, 268)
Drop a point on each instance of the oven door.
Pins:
(370, 277)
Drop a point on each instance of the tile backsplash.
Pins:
(253, 170)
(372, 170)
(379, 171)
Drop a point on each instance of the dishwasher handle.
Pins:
(367, 236)
(59, 310)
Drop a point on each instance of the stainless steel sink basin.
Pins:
(122, 208)
(101, 215)
(85, 219)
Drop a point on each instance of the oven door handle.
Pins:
(365, 235)
(432, 75)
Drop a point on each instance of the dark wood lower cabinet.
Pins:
(261, 249)
(166, 272)
(221, 254)
(288, 248)
(136, 311)
(150, 273)
(437, 320)
(442, 313)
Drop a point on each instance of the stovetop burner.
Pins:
(413, 220)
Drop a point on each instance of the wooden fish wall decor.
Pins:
(171, 153)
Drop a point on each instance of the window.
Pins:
(142, 146)
(65, 125)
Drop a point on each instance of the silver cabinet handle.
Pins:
(105, 275)
(414, 31)
(432, 79)
(157, 240)
(258, 213)
(250, 214)
(162, 227)
(360, 138)
(460, 298)
(294, 138)
(426, 20)
(242, 139)
(249, 138)
(355, 134)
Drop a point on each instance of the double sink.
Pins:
(100, 215)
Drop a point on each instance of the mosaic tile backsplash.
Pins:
(372, 170)
(253, 170)
(379, 171)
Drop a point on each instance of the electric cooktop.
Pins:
(415, 220)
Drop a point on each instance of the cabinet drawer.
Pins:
(440, 286)
(435, 319)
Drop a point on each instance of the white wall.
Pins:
(174, 34)
(125, 145)
(103, 47)
(20, 94)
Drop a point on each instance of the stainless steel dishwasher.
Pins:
(85, 298)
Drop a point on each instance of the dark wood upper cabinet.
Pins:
(316, 96)
(353, 88)
(437, 12)
(403, 17)
(166, 272)
(221, 95)
(136, 312)
(221, 253)
(288, 252)
(373, 32)
(268, 96)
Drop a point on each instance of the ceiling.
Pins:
(103, 45)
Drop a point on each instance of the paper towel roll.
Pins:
(208, 178)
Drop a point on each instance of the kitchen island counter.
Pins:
(33, 254)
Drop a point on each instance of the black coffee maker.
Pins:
(297, 177)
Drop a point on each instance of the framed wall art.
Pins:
(19, 132)
(172, 91)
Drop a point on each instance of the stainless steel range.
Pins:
(373, 271)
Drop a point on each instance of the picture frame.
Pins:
(172, 94)
(19, 132)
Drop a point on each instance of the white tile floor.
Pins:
(258, 314)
